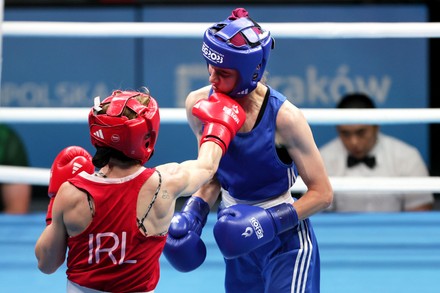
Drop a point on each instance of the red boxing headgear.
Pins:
(136, 137)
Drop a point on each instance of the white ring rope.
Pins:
(305, 30)
(178, 115)
(40, 176)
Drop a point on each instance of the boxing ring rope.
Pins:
(178, 115)
(40, 176)
(196, 29)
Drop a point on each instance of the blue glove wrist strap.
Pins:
(285, 217)
(198, 208)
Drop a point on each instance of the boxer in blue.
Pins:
(263, 232)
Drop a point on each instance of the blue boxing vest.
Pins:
(251, 169)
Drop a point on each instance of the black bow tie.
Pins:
(369, 161)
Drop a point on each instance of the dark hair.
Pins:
(356, 100)
(106, 155)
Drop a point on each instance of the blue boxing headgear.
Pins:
(240, 44)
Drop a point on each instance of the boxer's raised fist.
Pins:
(222, 117)
(67, 164)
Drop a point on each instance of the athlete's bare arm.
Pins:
(211, 190)
(294, 133)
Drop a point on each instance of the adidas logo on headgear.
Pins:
(99, 134)
(244, 92)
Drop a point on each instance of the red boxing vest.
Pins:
(112, 254)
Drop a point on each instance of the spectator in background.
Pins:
(16, 197)
(364, 151)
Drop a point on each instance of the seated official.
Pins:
(363, 151)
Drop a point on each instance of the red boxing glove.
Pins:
(68, 163)
(222, 117)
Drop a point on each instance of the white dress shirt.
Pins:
(394, 158)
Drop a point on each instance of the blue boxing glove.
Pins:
(184, 248)
(243, 228)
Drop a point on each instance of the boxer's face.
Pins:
(359, 140)
(222, 80)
